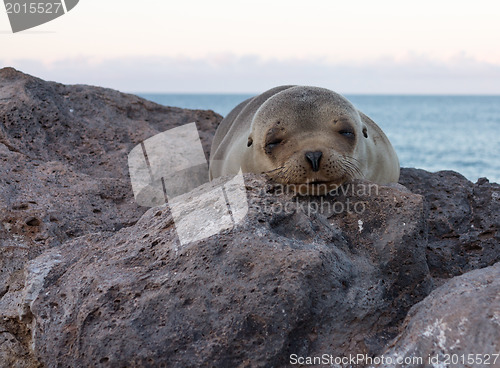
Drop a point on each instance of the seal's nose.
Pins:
(314, 158)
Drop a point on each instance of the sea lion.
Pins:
(308, 137)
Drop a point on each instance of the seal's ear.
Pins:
(250, 141)
(367, 121)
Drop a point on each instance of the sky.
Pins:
(219, 46)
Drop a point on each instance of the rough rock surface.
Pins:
(63, 152)
(463, 218)
(88, 278)
(63, 166)
(276, 284)
(441, 334)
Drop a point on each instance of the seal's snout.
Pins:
(313, 158)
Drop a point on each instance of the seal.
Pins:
(308, 137)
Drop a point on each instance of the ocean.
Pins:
(460, 133)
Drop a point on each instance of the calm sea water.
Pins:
(460, 133)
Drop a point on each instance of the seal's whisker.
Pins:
(353, 168)
(281, 173)
(276, 169)
(353, 163)
(353, 159)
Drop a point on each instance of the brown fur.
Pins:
(272, 133)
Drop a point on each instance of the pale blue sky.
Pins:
(357, 46)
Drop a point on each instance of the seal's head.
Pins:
(309, 138)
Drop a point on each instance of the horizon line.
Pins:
(409, 94)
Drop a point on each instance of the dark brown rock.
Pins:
(63, 164)
(463, 218)
(279, 283)
(63, 155)
(64, 152)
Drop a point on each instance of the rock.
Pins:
(89, 278)
(63, 164)
(303, 281)
(14, 354)
(64, 150)
(441, 334)
(463, 219)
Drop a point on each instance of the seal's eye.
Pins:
(347, 133)
(273, 143)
